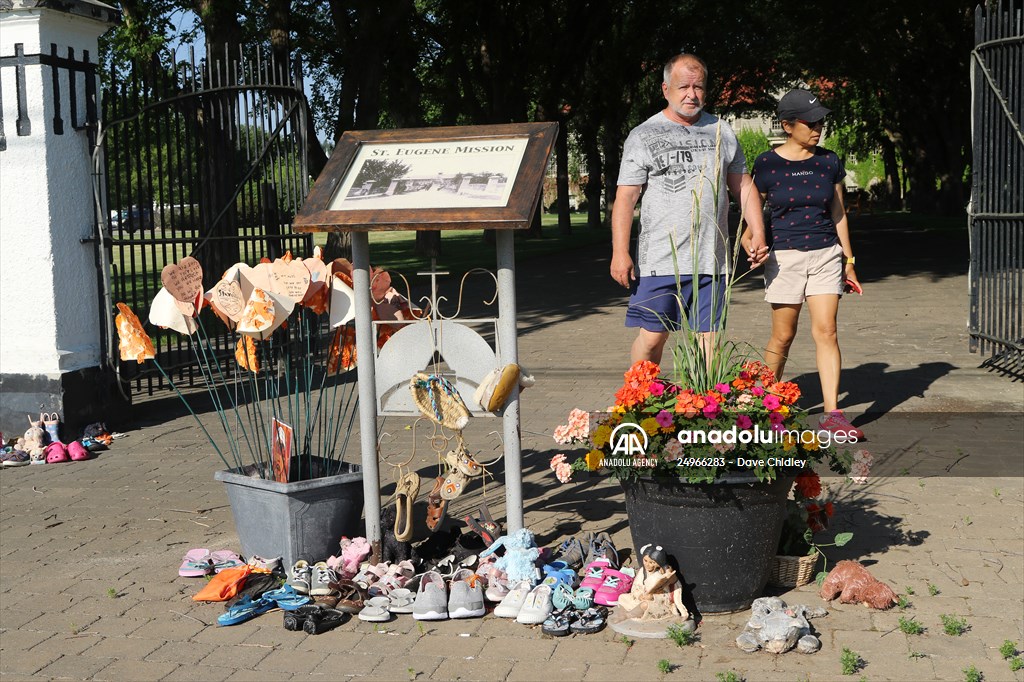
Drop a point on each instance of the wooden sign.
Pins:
(457, 178)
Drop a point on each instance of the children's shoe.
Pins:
(299, 577)
(14, 458)
(57, 452)
(572, 551)
(616, 583)
(466, 598)
(836, 422)
(513, 601)
(245, 609)
(76, 452)
(51, 423)
(261, 564)
(601, 547)
(324, 620)
(431, 599)
(196, 563)
(593, 574)
(224, 559)
(537, 606)
(321, 578)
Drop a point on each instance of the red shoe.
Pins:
(837, 423)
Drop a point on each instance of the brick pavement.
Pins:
(88, 551)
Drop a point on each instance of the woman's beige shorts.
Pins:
(790, 276)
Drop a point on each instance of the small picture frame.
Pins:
(468, 177)
(280, 449)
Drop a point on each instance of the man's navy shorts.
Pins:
(655, 303)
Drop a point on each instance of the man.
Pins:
(682, 156)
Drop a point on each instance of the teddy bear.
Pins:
(854, 585)
(33, 443)
(520, 556)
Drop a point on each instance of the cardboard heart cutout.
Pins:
(250, 278)
(289, 278)
(343, 303)
(317, 269)
(184, 280)
(264, 312)
(226, 297)
(164, 313)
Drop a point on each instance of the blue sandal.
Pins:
(245, 609)
(286, 598)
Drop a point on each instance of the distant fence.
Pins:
(996, 213)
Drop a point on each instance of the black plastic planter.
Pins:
(723, 535)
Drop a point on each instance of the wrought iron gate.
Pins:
(209, 160)
(996, 212)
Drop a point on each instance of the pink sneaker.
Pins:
(616, 583)
(837, 423)
(594, 574)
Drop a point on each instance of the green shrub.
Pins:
(972, 674)
(850, 661)
(910, 626)
(953, 626)
(754, 143)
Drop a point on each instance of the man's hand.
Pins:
(622, 269)
(755, 248)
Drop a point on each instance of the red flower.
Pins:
(637, 387)
(808, 485)
(787, 390)
(817, 517)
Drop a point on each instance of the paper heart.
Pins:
(164, 312)
(184, 279)
(343, 303)
(249, 278)
(317, 269)
(264, 312)
(226, 297)
(289, 278)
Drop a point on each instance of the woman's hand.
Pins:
(756, 255)
(852, 284)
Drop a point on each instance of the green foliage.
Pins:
(850, 661)
(112, 593)
(1016, 663)
(664, 666)
(753, 143)
(729, 676)
(626, 640)
(902, 602)
(916, 654)
(910, 590)
(953, 626)
(932, 589)
(1008, 649)
(972, 674)
(910, 626)
(681, 636)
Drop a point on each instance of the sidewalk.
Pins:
(89, 551)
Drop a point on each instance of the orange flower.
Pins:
(761, 370)
(742, 383)
(341, 356)
(637, 387)
(808, 484)
(787, 390)
(245, 354)
(132, 340)
(689, 404)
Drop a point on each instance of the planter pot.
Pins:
(302, 520)
(723, 535)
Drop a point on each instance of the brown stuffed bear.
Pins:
(854, 585)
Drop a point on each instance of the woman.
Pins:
(811, 258)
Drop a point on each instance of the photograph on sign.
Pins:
(478, 173)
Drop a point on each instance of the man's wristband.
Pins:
(849, 260)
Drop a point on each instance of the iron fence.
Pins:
(205, 159)
(996, 213)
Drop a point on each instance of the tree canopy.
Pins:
(895, 74)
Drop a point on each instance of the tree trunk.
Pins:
(612, 147)
(594, 180)
(894, 198)
(562, 177)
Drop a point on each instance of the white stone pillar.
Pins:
(50, 320)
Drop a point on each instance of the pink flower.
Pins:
(657, 388)
(561, 435)
(771, 402)
(579, 423)
(564, 472)
(743, 422)
(757, 391)
(711, 410)
(724, 447)
(664, 419)
(776, 420)
(745, 399)
(673, 450)
(556, 461)
(722, 388)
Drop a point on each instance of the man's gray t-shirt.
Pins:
(678, 164)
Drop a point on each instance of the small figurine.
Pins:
(853, 584)
(655, 600)
(777, 628)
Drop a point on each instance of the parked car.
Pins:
(132, 219)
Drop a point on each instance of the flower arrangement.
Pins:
(294, 350)
(747, 421)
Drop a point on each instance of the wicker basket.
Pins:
(793, 571)
(439, 400)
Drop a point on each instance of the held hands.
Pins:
(622, 269)
(755, 248)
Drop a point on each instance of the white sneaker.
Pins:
(299, 576)
(513, 601)
(537, 606)
(321, 578)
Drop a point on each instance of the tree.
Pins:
(379, 170)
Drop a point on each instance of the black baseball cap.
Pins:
(801, 104)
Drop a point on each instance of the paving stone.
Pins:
(235, 656)
(184, 653)
(346, 662)
(27, 662)
(235, 634)
(61, 643)
(399, 667)
(252, 676)
(170, 628)
(386, 644)
(200, 673)
(446, 645)
(20, 640)
(76, 667)
(129, 648)
(458, 668)
(292, 661)
(136, 670)
(516, 649)
(527, 671)
(337, 641)
(589, 650)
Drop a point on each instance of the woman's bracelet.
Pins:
(849, 260)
